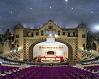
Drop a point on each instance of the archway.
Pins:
(94, 46)
(70, 50)
(50, 53)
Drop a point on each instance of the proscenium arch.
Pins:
(70, 50)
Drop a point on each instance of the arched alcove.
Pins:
(94, 46)
(70, 50)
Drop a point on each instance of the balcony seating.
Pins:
(92, 68)
(5, 69)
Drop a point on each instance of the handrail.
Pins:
(33, 63)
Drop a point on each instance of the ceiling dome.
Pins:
(19, 26)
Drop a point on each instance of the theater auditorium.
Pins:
(50, 52)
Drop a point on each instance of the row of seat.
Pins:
(53, 72)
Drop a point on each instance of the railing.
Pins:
(91, 61)
(9, 61)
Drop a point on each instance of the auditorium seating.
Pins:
(51, 72)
